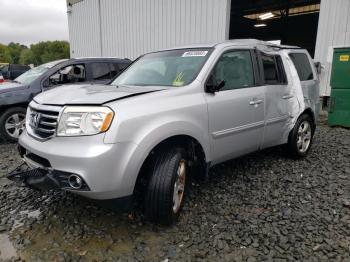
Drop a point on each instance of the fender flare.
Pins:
(150, 140)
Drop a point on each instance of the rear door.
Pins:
(308, 78)
(278, 96)
(236, 112)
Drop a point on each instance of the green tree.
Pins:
(56, 50)
(26, 57)
(5, 56)
(37, 54)
(44, 52)
(15, 50)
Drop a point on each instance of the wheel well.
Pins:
(309, 112)
(194, 149)
(5, 107)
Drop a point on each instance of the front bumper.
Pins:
(43, 178)
(105, 168)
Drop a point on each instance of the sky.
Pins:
(31, 21)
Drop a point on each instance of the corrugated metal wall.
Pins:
(84, 29)
(333, 30)
(128, 28)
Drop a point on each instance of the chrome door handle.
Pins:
(255, 102)
(287, 96)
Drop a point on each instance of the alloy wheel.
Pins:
(15, 124)
(179, 186)
(304, 136)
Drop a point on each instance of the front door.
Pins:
(236, 112)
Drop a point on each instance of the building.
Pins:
(129, 28)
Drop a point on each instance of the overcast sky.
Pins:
(31, 21)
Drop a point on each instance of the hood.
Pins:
(90, 94)
(10, 86)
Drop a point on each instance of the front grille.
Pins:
(43, 123)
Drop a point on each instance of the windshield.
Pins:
(4, 68)
(167, 68)
(32, 74)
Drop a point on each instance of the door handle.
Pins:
(287, 96)
(255, 102)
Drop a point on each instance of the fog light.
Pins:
(75, 181)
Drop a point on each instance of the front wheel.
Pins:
(300, 138)
(12, 123)
(166, 188)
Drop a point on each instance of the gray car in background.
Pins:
(167, 119)
(15, 95)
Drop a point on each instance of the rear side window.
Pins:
(281, 72)
(100, 71)
(270, 69)
(274, 72)
(302, 65)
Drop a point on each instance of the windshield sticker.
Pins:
(194, 53)
(178, 81)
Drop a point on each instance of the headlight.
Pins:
(84, 120)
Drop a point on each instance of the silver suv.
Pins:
(168, 118)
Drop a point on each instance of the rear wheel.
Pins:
(12, 123)
(300, 138)
(166, 189)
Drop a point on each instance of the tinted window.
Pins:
(122, 66)
(236, 69)
(114, 69)
(4, 69)
(302, 65)
(270, 69)
(100, 71)
(281, 72)
(19, 67)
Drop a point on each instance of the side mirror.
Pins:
(212, 87)
(318, 66)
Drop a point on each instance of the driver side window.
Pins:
(67, 75)
(235, 68)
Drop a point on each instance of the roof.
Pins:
(100, 58)
(253, 43)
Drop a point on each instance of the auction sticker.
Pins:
(195, 53)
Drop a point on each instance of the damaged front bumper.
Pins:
(42, 178)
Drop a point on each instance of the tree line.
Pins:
(36, 54)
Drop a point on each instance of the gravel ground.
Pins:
(264, 206)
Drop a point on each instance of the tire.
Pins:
(301, 137)
(12, 123)
(169, 167)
